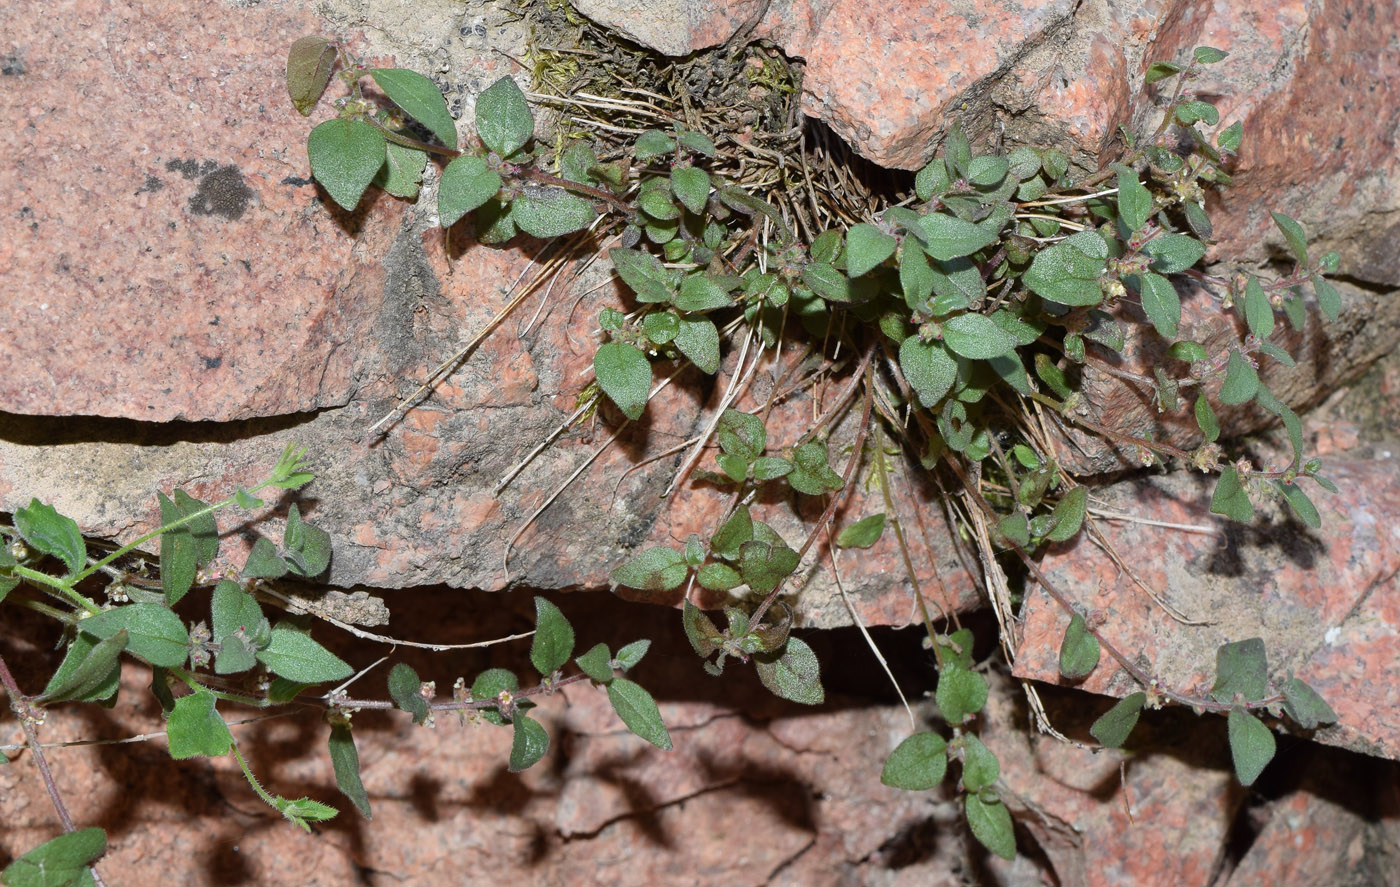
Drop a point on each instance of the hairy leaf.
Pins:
(345, 157)
(503, 118)
(58, 862)
(1068, 272)
(980, 766)
(1079, 651)
(1241, 380)
(866, 248)
(977, 336)
(946, 237)
(961, 693)
(1241, 669)
(1068, 515)
(638, 711)
(90, 672)
(863, 533)
(1174, 252)
(1160, 303)
(1230, 498)
(195, 728)
(553, 642)
(624, 374)
(52, 533)
(795, 674)
(293, 655)
(551, 212)
(1305, 706)
(1251, 745)
(1134, 200)
(1113, 727)
(656, 569)
(698, 339)
(346, 762)
(419, 99)
(529, 744)
(1293, 235)
(811, 472)
(929, 369)
(597, 663)
(155, 633)
(466, 184)
(917, 764)
(990, 822)
(309, 65)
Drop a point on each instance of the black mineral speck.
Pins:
(212, 363)
(191, 169)
(151, 186)
(222, 193)
(12, 66)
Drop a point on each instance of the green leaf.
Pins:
(1015, 528)
(156, 634)
(1160, 303)
(1209, 55)
(404, 686)
(303, 811)
(771, 468)
(929, 369)
(346, 762)
(246, 500)
(1230, 498)
(1161, 70)
(866, 248)
(977, 336)
(551, 212)
(644, 273)
(653, 143)
(402, 172)
(763, 565)
(718, 577)
(697, 142)
(597, 663)
(308, 547)
(195, 728)
(691, 187)
(795, 674)
(1174, 252)
(529, 744)
(1230, 138)
(240, 628)
(185, 548)
(661, 326)
(700, 630)
(1241, 380)
(1191, 112)
(310, 62)
(656, 569)
(980, 766)
(741, 434)
(699, 292)
(990, 822)
(489, 685)
(638, 711)
(1206, 419)
(698, 340)
(731, 536)
(1293, 235)
(826, 281)
(553, 642)
(987, 171)
(1305, 706)
(945, 237)
(631, 654)
(52, 533)
(734, 467)
(58, 862)
(419, 99)
(811, 472)
(293, 655)
(466, 184)
(1300, 503)
(90, 672)
(1068, 515)
(1079, 651)
(1242, 669)
(624, 374)
(961, 693)
(1328, 299)
(932, 179)
(345, 157)
(1190, 352)
(917, 764)
(1134, 200)
(1068, 272)
(1113, 728)
(264, 562)
(863, 533)
(1251, 745)
(503, 118)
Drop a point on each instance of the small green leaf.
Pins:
(1300, 503)
(698, 340)
(741, 434)
(945, 237)
(1230, 499)
(1068, 515)
(644, 273)
(1241, 380)
(503, 118)
(638, 711)
(597, 663)
(660, 326)
(551, 212)
(763, 565)
(863, 533)
(1068, 272)
(1293, 235)
(466, 184)
(90, 672)
(929, 369)
(795, 674)
(240, 629)
(1172, 253)
(734, 467)
(185, 548)
(961, 693)
(917, 764)
(530, 743)
(195, 728)
(1206, 419)
(246, 500)
(990, 822)
(293, 655)
(345, 157)
(1258, 313)
(980, 766)
(1113, 728)
(691, 187)
(1252, 745)
(346, 762)
(987, 171)
(624, 374)
(699, 292)
(155, 633)
(1079, 651)
(656, 569)
(696, 141)
(932, 179)
(1134, 200)
(1209, 55)
(264, 562)
(700, 630)
(419, 99)
(52, 533)
(828, 282)
(1229, 139)
(631, 654)
(1190, 352)
(1160, 303)
(59, 862)
(308, 547)
(731, 536)
(866, 248)
(489, 685)
(1305, 706)
(653, 143)
(303, 811)
(771, 468)
(553, 642)
(309, 65)
(1328, 299)
(977, 336)
(1161, 70)
(1242, 669)
(718, 577)
(1191, 112)
(811, 472)
(1016, 528)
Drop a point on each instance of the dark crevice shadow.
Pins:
(56, 431)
